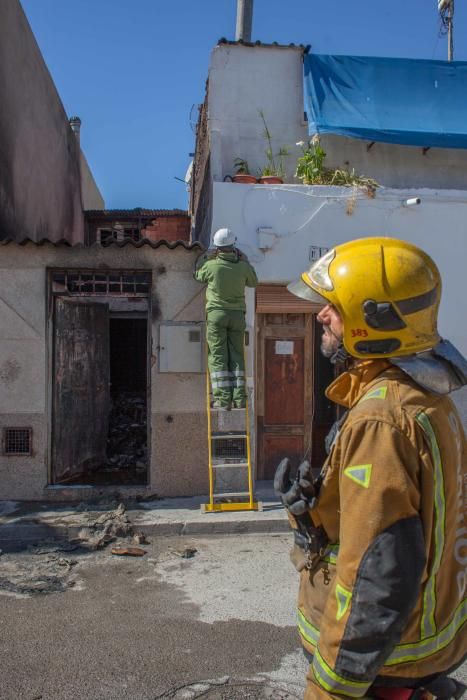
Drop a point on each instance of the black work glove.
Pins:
(298, 496)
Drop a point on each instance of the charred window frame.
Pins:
(111, 234)
(124, 283)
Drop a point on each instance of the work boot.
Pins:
(218, 406)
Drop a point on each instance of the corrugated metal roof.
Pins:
(138, 211)
(273, 45)
(119, 244)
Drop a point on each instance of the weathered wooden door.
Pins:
(284, 389)
(80, 388)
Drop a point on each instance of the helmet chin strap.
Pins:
(341, 354)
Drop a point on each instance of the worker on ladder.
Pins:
(227, 272)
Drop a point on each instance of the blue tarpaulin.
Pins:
(395, 100)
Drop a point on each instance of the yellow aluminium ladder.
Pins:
(235, 439)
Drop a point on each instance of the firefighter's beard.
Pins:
(330, 342)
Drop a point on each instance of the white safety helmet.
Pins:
(224, 237)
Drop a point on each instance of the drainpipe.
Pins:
(244, 20)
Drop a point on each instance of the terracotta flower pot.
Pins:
(270, 180)
(245, 179)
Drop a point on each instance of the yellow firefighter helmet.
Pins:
(386, 290)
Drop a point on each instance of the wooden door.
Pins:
(284, 389)
(80, 388)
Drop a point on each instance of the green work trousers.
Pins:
(225, 332)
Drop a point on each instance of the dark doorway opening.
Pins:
(127, 454)
(100, 431)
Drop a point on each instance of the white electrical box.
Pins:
(181, 347)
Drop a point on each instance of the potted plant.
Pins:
(242, 172)
(273, 173)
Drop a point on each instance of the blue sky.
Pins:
(132, 69)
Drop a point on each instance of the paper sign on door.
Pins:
(284, 347)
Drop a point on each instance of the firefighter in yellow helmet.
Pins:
(380, 538)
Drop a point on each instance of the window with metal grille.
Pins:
(230, 448)
(17, 441)
(194, 336)
(127, 283)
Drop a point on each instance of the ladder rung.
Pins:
(227, 436)
(231, 494)
(225, 465)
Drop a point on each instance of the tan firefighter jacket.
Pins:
(387, 599)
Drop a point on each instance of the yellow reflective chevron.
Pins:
(343, 598)
(360, 474)
(379, 393)
(428, 624)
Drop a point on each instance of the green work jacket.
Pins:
(227, 275)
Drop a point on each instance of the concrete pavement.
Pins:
(221, 623)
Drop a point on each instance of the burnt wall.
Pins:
(40, 190)
(201, 185)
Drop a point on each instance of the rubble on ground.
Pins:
(127, 440)
(49, 571)
(128, 551)
(185, 552)
(106, 528)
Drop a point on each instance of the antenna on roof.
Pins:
(446, 11)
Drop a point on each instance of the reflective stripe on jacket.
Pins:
(388, 598)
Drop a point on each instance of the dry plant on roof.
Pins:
(311, 170)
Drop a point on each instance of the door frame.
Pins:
(49, 359)
(279, 332)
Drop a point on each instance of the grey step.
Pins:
(234, 465)
(231, 494)
(228, 421)
(228, 435)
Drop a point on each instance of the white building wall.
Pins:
(293, 218)
(242, 82)
(246, 79)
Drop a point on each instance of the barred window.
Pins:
(17, 441)
(126, 283)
